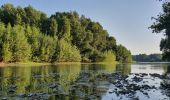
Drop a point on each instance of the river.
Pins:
(77, 81)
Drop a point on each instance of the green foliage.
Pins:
(2, 31)
(123, 55)
(28, 34)
(33, 34)
(109, 56)
(96, 56)
(53, 27)
(67, 52)
(111, 43)
(6, 52)
(64, 29)
(162, 25)
(20, 48)
(47, 48)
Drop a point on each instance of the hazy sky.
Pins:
(126, 20)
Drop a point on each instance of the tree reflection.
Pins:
(34, 79)
(125, 69)
(37, 79)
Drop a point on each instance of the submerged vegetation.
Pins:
(29, 35)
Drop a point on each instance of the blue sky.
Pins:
(126, 20)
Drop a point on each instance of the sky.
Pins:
(126, 20)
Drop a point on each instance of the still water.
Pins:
(65, 82)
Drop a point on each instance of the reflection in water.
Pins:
(123, 68)
(60, 81)
(168, 69)
(99, 68)
(37, 79)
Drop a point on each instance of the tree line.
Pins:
(27, 34)
(147, 58)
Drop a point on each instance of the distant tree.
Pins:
(147, 58)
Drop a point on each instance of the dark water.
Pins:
(64, 82)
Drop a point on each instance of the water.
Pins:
(69, 81)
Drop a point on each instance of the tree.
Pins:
(47, 48)
(28, 34)
(162, 24)
(32, 34)
(67, 52)
(18, 20)
(64, 29)
(111, 43)
(53, 27)
(6, 46)
(147, 58)
(33, 16)
(123, 55)
(7, 14)
(21, 49)
(109, 57)
(2, 30)
(6, 52)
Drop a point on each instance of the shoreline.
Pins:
(2, 64)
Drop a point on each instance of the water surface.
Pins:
(64, 81)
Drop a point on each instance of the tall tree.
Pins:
(53, 27)
(64, 31)
(162, 24)
(2, 30)
(21, 48)
(6, 47)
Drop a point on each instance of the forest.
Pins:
(147, 58)
(27, 34)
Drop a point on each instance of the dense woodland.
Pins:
(162, 25)
(147, 58)
(27, 34)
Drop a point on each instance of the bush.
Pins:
(67, 52)
(108, 56)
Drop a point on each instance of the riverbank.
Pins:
(23, 64)
(2, 64)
